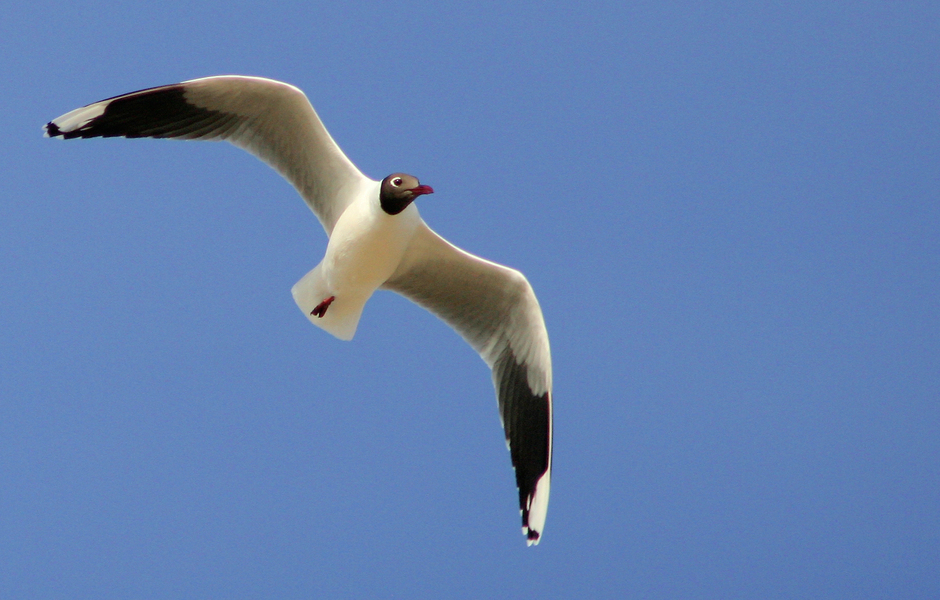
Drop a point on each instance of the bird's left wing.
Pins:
(270, 119)
(494, 308)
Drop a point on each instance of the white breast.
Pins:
(366, 247)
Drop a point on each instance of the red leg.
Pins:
(320, 310)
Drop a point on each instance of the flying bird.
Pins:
(377, 240)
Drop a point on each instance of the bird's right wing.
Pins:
(270, 119)
(494, 308)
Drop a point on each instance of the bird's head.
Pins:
(399, 190)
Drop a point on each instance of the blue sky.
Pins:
(729, 213)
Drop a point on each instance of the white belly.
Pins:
(365, 248)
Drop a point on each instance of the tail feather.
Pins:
(342, 316)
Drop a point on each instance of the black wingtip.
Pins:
(533, 536)
(52, 130)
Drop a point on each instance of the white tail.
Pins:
(341, 318)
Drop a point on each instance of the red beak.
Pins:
(421, 190)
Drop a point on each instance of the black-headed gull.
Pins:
(376, 240)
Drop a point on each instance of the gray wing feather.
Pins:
(270, 119)
(495, 310)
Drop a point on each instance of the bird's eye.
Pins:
(396, 182)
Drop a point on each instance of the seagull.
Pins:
(377, 240)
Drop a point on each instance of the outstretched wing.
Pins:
(272, 120)
(494, 308)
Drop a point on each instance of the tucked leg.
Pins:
(320, 310)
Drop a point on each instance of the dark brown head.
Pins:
(400, 190)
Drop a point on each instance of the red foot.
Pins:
(320, 310)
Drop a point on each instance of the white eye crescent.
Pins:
(396, 182)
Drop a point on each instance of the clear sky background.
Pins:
(729, 212)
